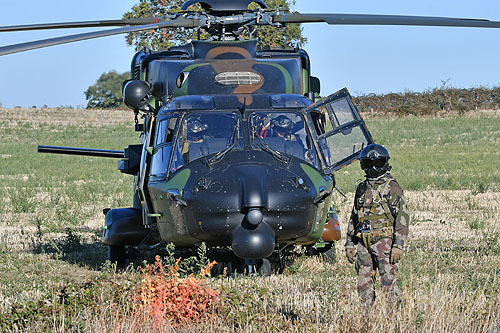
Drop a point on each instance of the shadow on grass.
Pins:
(73, 249)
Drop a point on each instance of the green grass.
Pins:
(455, 153)
(27, 175)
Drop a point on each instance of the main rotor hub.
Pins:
(223, 5)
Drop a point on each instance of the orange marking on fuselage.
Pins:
(242, 65)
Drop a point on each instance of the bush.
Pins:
(431, 102)
(170, 300)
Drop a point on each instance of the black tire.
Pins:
(330, 255)
(218, 269)
(236, 267)
(326, 248)
(117, 254)
(264, 267)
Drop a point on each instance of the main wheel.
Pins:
(218, 269)
(236, 267)
(329, 255)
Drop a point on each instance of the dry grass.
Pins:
(449, 280)
(67, 116)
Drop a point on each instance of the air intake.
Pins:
(237, 78)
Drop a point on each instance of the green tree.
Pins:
(285, 37)
(106, 92)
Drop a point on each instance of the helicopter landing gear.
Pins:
(264, 267)
(117, 254)
(325, 250)
(230, 268)
(218, 269)
(329, 255)
(238, 267)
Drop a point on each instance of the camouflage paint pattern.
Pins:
(203, 61)
(322, 214)
(366, 266)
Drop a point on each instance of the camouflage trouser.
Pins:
(366, 266)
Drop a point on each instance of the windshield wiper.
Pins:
(277, 154)
(235, 137)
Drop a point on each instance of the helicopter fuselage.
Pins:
(233, 151)
(240, 183)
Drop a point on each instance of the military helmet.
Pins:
(374, 160)
(196, 129)
(282, 124)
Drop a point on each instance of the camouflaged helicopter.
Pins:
(234, 152)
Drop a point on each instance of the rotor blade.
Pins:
(365, 19)
(180, 22)
(84, 24)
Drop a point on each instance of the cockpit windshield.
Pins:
(283, 132)
(205, 133)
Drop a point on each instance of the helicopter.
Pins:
(235, 149)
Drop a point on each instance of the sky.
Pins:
(365, 59)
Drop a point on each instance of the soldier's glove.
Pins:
(396, 255)
(350, 253)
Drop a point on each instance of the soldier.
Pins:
(378, 226)
(282, 127)
(193, 147)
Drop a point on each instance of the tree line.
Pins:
(106, 93)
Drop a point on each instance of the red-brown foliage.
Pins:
(166, 298)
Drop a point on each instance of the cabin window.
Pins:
(341, 112)
(283, 132)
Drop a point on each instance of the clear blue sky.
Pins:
(364, 59)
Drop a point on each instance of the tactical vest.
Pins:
(375, 217)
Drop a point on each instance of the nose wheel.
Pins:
(264, 267)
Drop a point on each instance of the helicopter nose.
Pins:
(254, 216)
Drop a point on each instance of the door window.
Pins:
(338, 129)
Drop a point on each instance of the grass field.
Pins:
(53, 276)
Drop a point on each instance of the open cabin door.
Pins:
(338, 130)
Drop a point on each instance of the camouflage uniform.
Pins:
(379, 221)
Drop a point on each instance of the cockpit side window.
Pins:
(321, 120)
(163, 145)
(203, 133)
(165, 131)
